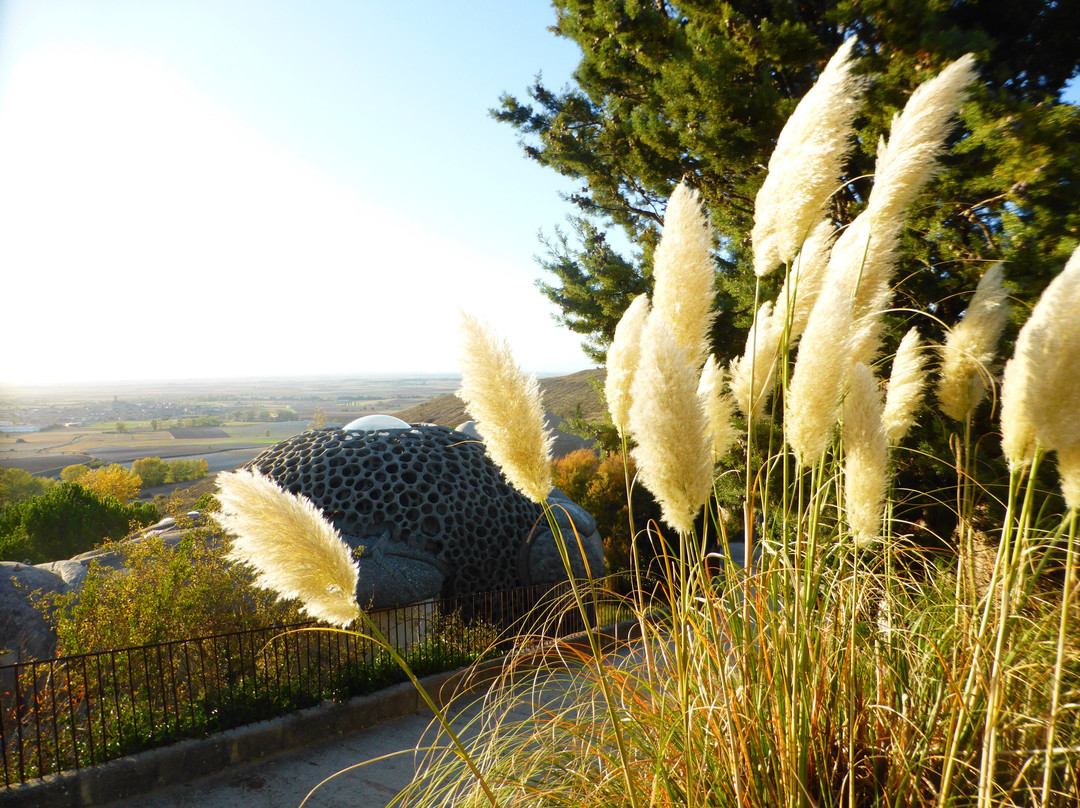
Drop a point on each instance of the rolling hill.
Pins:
(561, 395)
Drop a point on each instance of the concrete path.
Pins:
(366, 769)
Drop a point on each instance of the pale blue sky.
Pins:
(194, 188)
(228, 187)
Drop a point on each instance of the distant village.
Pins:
(37, 418)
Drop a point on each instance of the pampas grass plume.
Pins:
(684, 274)
(971, 346)
(673, 454)
(506, 405)
(294, 550)
(866, 453)
(1042, 385)
(812, 403)
(916, 139)
(622, 361)
(803, 284)
(806, 164)
(719, 408)
(865, 252)
(753, 375)
(906, 384)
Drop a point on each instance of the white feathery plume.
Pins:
(812, 402)
(753, 375)
(1068, 466)
(866, 453)
(684, 274)
(765, 340)
(506, 405)
(806, 164)
(622, 361)
(1017, 427)
(719, 408)
(1041, 383)
(803, 284)
(673, 454)
(971, 347)
(865, 251)
(294, 550)
(906, 384)
(917, 138)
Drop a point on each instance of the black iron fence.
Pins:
(78, 711)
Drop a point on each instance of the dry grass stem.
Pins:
(622, 361)
(806, 164)
(971, 348)
(673, 453)
(906, 384)
(293, 549)
(506, 405)
(684, 273)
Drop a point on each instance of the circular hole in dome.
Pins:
(429, 526)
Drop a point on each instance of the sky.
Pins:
(219, 188)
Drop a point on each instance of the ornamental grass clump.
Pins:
(845, 666)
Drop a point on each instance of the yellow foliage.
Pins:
(113, 481)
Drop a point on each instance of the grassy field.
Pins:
(414, 399)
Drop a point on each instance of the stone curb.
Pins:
(183, 761)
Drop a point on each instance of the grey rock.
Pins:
(543, 563)
(72, 572)
(22, 627)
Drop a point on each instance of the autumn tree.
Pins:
(112, 481)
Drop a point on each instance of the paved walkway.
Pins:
(285, 780)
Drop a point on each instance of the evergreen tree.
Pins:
(699, 91)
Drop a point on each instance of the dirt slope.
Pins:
(561, 395)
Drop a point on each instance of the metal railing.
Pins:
(78, 711)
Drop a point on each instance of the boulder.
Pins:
(22, 627)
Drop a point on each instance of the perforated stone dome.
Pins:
(425, 496)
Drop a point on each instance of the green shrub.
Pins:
(65, 521)
(168, 593)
